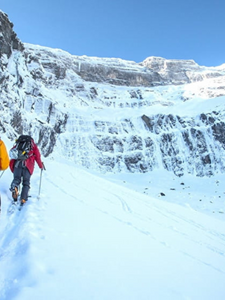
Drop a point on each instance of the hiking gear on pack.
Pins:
(22, 148)
(4, 157)
(33, 155)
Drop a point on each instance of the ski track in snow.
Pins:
(167, 225)
(20, 226)
(106, 195)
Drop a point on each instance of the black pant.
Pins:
(21, 173)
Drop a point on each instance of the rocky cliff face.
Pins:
(8, 38)
(181, 71)
(110, 114)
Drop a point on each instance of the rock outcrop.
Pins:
(8, 38)
(176, 71)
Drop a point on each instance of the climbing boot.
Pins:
(15, 193)
(23, 201)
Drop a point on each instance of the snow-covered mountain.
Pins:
(119, 235)
(114, 115)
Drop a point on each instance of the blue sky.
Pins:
(128, 29)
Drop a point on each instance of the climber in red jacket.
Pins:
(23, 156)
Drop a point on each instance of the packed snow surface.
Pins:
(125, 236)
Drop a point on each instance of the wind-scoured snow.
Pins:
(113, 237)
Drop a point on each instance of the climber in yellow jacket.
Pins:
(4, 160)
(4, 157)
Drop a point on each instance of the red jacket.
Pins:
(34, 155)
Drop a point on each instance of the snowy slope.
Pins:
(91, 238)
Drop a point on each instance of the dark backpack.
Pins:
(22, 148)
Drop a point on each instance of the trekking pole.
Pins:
(40, 181)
